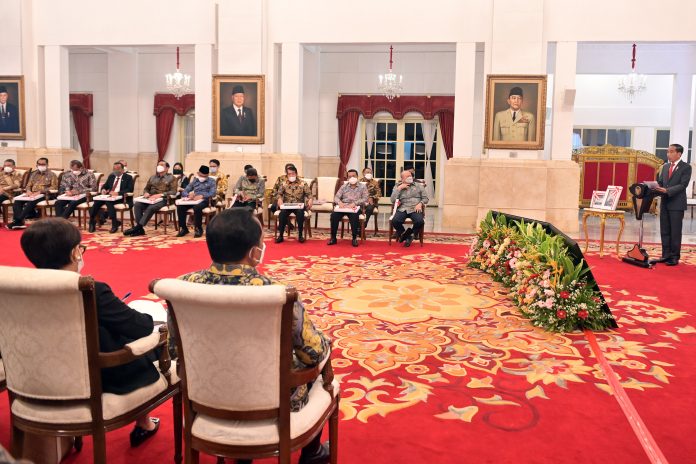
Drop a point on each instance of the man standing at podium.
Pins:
(674, 177)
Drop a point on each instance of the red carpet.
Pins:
(436, 365)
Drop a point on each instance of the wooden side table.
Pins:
(602, 214)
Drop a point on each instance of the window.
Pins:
(662, 144)
(619, 137)
(400, 145)
(187, 130)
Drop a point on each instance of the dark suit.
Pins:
(673, 207)
(125, 187)
(9, 120)
(232, 124)
(120, 324)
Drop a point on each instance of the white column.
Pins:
(291, 98)
(561, 136)
(204, 97)
(464, 87)
(124, 128)
(57, 92)
(681, 107)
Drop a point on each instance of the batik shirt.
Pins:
(253, 190)
(221, 184)
(373, 189)
(409, 197)
(42, 182)
(295, 192)
(82, 183)
(165, 185)
(9, 181)
(351, 194)
(310, 346)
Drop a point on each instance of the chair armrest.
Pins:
(127, 354)
(143, 345)
(309, 374)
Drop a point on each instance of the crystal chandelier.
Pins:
(178, 83)
(390, 83)
(632, 84)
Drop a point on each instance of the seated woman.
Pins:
(54, 243)
(178, 170)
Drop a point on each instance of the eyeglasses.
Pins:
(83, 248)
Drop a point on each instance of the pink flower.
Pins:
(549, 303)
(549, 292)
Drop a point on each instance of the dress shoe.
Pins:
(408, 241)
(301, 238)
(662, 259)
(114, 227)
(405, 235)
(671, 262)
(102, 220)
(279, 239)
(129, 232)
(183, 231)
(355, 241)
(198, 232)
(92, 227)
(138, 435)
(138, 231)
(332, 241)
(320, 456)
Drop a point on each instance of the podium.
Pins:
(643, 197)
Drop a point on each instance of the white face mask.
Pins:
(259, 260)
(77, 173)
(292, 178)
(41, 168)
(353, 180)
(7, 169)
(368, 176)
(213, 169)
(160, 169)
(409, 180)
(201, 179)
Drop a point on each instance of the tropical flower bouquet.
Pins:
(544, 282)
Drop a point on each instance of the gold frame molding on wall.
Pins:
(16, 98)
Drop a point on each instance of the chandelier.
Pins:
(632, 84)
(390, 83)
(178, 83)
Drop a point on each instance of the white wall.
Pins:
(89, 74)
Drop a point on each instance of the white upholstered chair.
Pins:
(326, 188)
(235, 354)
(53, 364)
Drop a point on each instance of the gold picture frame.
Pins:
(12, 125)
(233, 123)
(522, 97)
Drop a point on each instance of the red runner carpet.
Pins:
(437, 366)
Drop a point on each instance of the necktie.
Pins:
(514, 116)
(671, 168)
(240, 115)
(117, 184)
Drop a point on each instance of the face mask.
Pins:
(353, 180)
(368, 176)
(77, 173)
(7, 169)
(292, 178)
(117, 173)
(201, 179)
(252, 180)
(41, 168)
(178, 171)
(213, 169)
(160, 169)
(263, 252)
(409, 180)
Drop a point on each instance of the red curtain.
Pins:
(447, 130)
(347, 125)
(81, 109)
(165, 107)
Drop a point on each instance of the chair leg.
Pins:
(333, 437)
(17, 446)
(308, 226)
(374, 219)
(343, 227)
(391, 232)
(99, 444)
(176, 403)
(275, 226)
(362, 230)
(78, 443)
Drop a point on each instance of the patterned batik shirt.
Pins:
(42, 182)
(82, 183)
(9, 182)
(165, 185)
(409, 197)
(253, 190)
(351, 194)
(295, 192)
(373, 189)
(221, 184)
(310, 346)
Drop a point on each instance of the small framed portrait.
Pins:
(12, 108)
(515, 112)
(611, 199)
(238, 109)
(597, 201)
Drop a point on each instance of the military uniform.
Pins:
(522, 129)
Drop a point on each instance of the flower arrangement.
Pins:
(544, 282)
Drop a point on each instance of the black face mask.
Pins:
(251, 180)
(178, 171)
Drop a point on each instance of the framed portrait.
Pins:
(238, 108)
(12, 108)
(515, 112)
(611, 199)
(597, 201)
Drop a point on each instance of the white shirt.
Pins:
(237, 110)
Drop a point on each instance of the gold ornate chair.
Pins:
(235, 354)
(53, 364)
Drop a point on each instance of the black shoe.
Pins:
(279, 239)
(16, 225)
(301, 238)
(320, 456)
(139, 435)
(332, 241)
(114, 227)
(102, 220)
(405, 235)
(662, 259)
(355, 241)
(129, 232)
(198, 232)
(408, 240)
(92, 227)
(671, 262)
(183, 231)
(138, 231)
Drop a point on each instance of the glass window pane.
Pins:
(619, 137)
(381, 131)
(420, 152)
(408, 130)
(379, 170)
(661, 153)
(594, 137)
(433, 152)
(391, 131)
(391, 151)
(577, 131)
(419, 132)
(408, 150)
(662, 138)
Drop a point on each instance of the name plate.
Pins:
(107, 198)
(292, 206)
(25, 197)
(147, 200)
(188, 202)
(346, 209)
(72, 197)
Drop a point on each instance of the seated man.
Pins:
(249, 190)
(243, 176)
(216, 173)
(374, 192)
(117, 185)
(350, 195)
(412, 199)
(158, 188)
(202, 188)
(293, 190)
(77, 181)
(40, 182)
(279, 181)
(10, 180)
(235, 244)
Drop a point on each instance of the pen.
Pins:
(126, 296)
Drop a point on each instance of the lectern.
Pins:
(643, 196)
